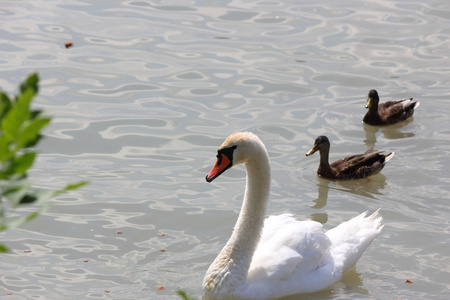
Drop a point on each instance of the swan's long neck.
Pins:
(229, 269)
(247, 230)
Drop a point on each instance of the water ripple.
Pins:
(149, 90)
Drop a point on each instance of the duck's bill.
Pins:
(312, 151)
(369, 102)
(223, 163)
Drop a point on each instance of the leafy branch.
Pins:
(20, 131)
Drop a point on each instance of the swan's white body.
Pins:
(277, 256)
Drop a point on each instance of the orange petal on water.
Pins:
(68, 44)
(408, 281)
(106, 291)
(160, 288)
(162, 250)
(26, 251)
(161, 234)
(119, 232)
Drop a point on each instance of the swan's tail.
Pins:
(351, 238)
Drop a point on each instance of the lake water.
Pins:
(150, 89)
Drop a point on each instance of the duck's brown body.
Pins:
(351, 167)
(388, 113)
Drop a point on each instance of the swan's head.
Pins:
(372, 98)
(238, 148)
(321, 142)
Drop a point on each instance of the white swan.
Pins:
(278, 256)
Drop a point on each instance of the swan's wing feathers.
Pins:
(351, 238)
(276, 267)
(288, 246)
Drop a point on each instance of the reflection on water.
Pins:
(390, 132)
(322, 196)
(148, 92)
(370, 187)
(321, 201)
(351, 285)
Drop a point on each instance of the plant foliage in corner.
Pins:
(20, 131)
(184, 296)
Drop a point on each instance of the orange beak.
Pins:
(222, 164)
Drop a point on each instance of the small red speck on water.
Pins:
(106, 291)
(333, 292)
(85, 260)
(408, 281)
(162, 250)
(119, 232)
(161, 234)
(8, 293)
(160, 288)
(26, 251)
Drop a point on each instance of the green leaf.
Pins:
(30, 83)
(20, 128)
(71, 186)
(30, 134)
(42, 196)
(5, 152)
(15, 189)
(22, 163)
(28, 198)
(3, 248)
(17, 221)
(17, 165)
(5, 104)
(183, 295)
(17, 115)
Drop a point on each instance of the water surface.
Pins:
(148, 92)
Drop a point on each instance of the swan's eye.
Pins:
(228, 152)
(219, 158)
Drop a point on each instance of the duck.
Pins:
(390, 112)
(351, 167)
(267, 258)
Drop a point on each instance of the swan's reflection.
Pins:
(351, 281)
(391, 132)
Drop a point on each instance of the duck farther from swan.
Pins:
(350, 167)
(388, 113)
(278, 256)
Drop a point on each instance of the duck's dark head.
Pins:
(321, 142)
(372, 98)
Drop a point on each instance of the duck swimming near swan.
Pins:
(351, 167)
(389, 112)
(276, 256)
